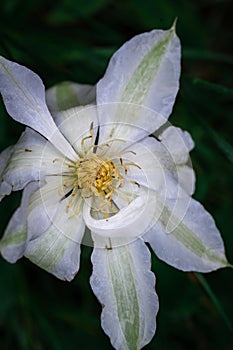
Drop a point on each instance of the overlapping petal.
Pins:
(13, 242)
(55, 233)
(125, 286)
(154, 166)
(29, 160)
(68, 95)
(178, 143)
(5, 188)
(77, 124)
(4, 158)
(186, 178)
(128, 222)
(57, 250)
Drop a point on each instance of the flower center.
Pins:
(98, 176)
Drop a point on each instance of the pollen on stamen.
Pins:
(97, 175)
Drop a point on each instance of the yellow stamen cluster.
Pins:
(105, 178)
(96, 175)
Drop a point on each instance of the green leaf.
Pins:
(213, 87)
(222, 144)
(214, 300)
(204, 55)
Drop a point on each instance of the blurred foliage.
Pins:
(73, 40)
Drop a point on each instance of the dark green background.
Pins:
(73, 40)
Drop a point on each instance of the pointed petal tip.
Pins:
(173, 27)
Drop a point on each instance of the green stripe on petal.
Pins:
(14, 239)
(57, 249)
(124, 284)
(186, 237)
(120, 268)
(138, 87)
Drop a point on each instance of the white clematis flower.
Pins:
(86, 159)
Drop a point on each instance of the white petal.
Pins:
(186, 178)
(5, 188)
(156, 169)
(128, 222)
(144, 71)
(194, 244)
(24, 96)
(13, 242)
(75, 124)
(32, 158)
(125, 194)
(55, 244)
(67, 95)
(4, 158)
(124, 285)
(44, 204)
(130, 122)
(149, 156)
(178, 143)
